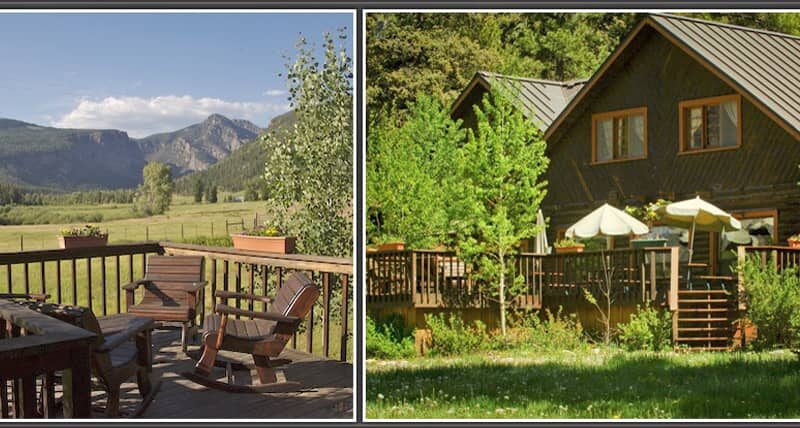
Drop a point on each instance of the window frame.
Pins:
(614, 115)
(683, 131)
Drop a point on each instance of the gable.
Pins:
(757, 64)
(659, 77)
(538, 100)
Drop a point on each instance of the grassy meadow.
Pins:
(197, 220)
(597, 384)
(123, 226)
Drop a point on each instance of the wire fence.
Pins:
(45, 238)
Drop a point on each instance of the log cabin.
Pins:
(682, 107)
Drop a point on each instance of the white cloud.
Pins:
(274, 92)
(145, 116)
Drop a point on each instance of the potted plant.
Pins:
(267, 238)
(391, 244)
(82, 237)
(648, 214)
(568, 245)
(794, 241)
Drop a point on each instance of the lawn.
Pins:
(596, 384)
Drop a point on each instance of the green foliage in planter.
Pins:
(773, 302)
(216, 241)
(647, 213)
(389, 339)
(649, 329)
(266, 229)
(566, 242)
(87, 230)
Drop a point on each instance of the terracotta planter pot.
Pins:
(268, 244)
(392, 246)
(573, 249)
(82, 241)
(793, 243)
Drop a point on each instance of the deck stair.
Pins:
(706, 317)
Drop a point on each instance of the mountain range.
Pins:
(47, 158)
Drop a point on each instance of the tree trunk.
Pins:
(502, 295)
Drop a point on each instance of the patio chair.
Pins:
(173, 291)
(113, 360)
(264, 336)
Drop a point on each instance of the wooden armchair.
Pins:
(173, 291)
(264, 336)
(112, 363)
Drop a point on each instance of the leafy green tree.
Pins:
(409, 170)
(500, 170)
(155, 194)
(310, 166)
(251, 190)
(198, 190)
(437, 53)
(213, 194)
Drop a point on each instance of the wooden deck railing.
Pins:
(262, 273)
(780, 257)
(88, 277)
(428, 278)
(32, 348)
(92, 277)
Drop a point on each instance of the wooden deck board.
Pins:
(329, 383)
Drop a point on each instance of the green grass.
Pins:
(599, 384)
(122, 227)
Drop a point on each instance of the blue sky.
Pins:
(150, 72)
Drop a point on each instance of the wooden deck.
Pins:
(329, 394)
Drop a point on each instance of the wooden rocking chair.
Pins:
(264, 336)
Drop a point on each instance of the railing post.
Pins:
(674, 263)
(345, 318)
(413, 277)
(742, 258)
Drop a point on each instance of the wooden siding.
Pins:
(761, 174)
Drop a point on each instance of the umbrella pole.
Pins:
(691, 252)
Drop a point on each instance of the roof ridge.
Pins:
(536, 80)
(724, 25)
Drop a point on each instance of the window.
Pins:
(710, 123)
(619, 135)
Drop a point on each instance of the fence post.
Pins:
(21, 243)
(182, 232)
(146, 232)
(212, 229)
(226, 227)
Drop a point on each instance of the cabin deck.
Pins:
(330, 393)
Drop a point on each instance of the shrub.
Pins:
(554, 332)
(452, 336)
(773, 303)
(649, 329)
(389, 339)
